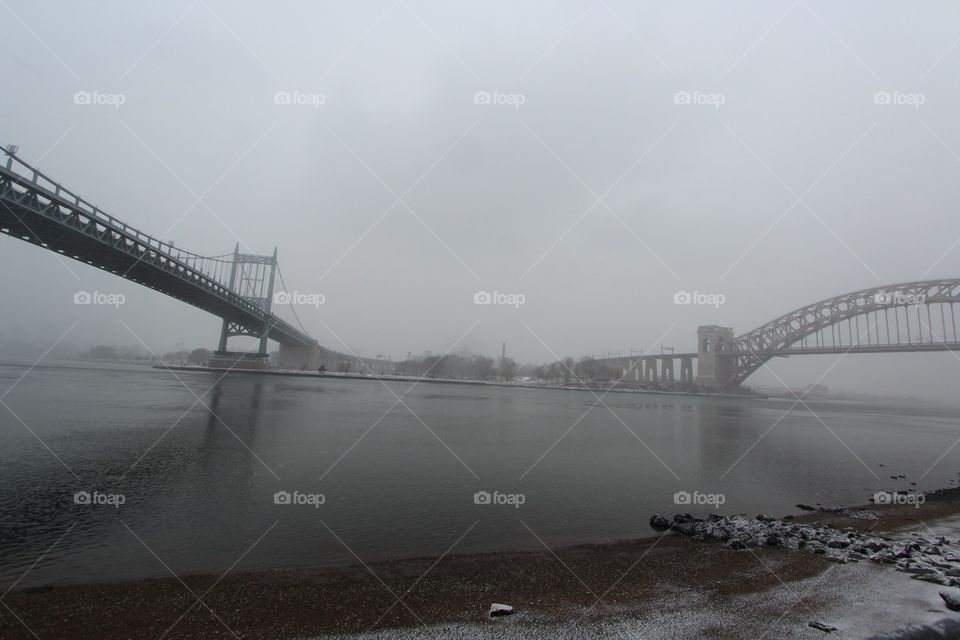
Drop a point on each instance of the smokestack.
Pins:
(503, 353)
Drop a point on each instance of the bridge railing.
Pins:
(17, 168)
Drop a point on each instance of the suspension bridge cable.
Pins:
(292, 307)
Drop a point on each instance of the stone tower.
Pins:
(712, 342)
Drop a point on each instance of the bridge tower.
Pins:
(253, 278)
(713, 342)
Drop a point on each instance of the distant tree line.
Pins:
(463, 366)
(569, 371)
(137, 353)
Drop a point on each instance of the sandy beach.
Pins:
(657, 586)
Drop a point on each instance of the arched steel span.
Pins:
(37, 209)
(910, 316)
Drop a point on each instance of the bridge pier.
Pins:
(650, 370)
(238, 360)
(299, 357)
(686, 370)
(666, 369)
(713, 343)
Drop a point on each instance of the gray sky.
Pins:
(786, 184)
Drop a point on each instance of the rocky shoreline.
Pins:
(928, 558)
(933, 560)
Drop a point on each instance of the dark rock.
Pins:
(497, 610)
(659, 523)
(762, 517)
(951, 600)
(806, 507)
(822, 627)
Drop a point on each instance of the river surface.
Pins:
(379, 479)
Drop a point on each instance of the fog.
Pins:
(623, 152)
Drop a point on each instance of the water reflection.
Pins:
(199, 480)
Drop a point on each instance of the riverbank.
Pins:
(336, 375)
(663, 586)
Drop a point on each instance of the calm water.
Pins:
(199, 483)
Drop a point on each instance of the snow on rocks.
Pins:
(934, 560)
(497, 610)
(951, 600)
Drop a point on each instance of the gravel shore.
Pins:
(667, 585)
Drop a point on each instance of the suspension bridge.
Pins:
(238, 287)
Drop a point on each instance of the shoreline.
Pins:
(554, 591)
(481, 383)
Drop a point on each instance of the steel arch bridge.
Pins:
(904, 317)
(235, 287)
(898, 318)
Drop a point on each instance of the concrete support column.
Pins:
(650, 370)
(302, 358)
(686, 370)
(666, 368)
